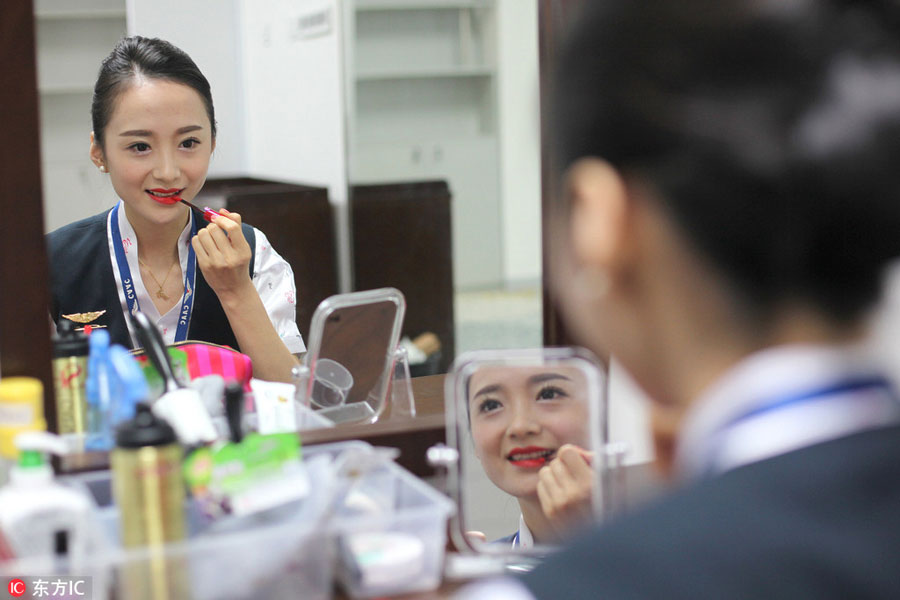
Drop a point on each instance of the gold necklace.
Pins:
(159, 293)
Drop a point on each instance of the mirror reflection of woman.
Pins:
(154, 132)
(529, 430)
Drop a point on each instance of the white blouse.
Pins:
(273, 279)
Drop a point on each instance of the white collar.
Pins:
(523, 538)
(707, 443)
(169, 321)
(131, 246)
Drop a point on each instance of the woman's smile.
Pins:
(166, 196)
(531, 457)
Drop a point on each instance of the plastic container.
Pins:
(21, 410)
(410, 522)
(33, 506)
(331, 383)
(290, 552)
(99, 393)
(284, 553)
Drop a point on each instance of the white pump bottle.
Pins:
(34, 508)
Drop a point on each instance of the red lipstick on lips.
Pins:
(165, 196)
(530, 457)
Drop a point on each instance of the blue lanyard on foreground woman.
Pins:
(848, 388)
(187, 298)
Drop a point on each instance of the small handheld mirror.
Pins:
(530, 428)
(352, 344)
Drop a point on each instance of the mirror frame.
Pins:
(350, 300)
(554, 18)
(25, 348)
(455, 386)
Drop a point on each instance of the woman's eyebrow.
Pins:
(148, 133)
(488, 389)
(542, 377)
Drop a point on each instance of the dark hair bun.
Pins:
(771, 130)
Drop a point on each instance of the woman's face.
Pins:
(521, 416)
(157, 147)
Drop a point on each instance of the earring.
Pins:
(102, 168)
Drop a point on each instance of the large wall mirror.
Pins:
(422, 90)
(461, 106)
(429, 89)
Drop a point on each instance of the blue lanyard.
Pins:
(187, 298)
(841, 387)
(827, 392)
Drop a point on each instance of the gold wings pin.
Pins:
(85, 317)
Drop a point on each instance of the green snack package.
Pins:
(240, 478)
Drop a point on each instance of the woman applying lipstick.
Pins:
(154, 132)
(528, 427)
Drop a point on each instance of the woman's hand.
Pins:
(564, 489)
(476, 538)
(223, 255)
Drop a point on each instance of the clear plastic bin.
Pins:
(293, 551)
(273, 555)
(410, 521)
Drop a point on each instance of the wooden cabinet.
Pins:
(401, 239)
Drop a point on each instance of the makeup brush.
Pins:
(208, 213)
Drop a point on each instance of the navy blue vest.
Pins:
(81, 280)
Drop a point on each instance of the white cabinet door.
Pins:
(387, 162)
(471, 168)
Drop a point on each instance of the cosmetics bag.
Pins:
(192, 359)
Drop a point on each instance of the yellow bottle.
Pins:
(21, 410)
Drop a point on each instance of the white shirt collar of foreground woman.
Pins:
(711, 441)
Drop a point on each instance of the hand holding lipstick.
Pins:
(565, 489)
(208, 213)
(223, 256)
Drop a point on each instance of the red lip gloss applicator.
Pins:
(208, 213)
